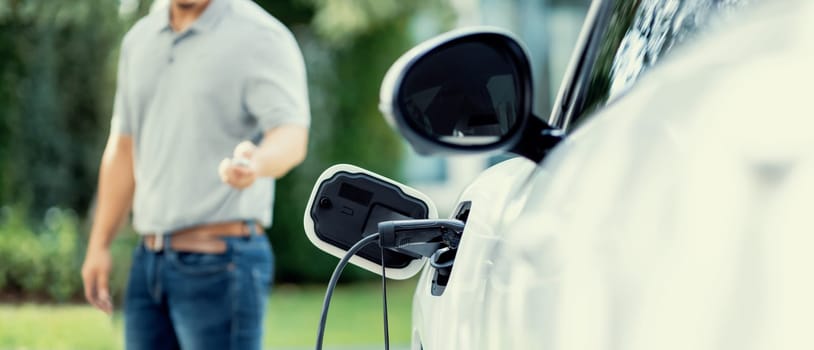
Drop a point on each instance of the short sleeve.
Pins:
(121, 121)
(276, 89)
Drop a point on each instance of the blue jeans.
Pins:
(178, 300)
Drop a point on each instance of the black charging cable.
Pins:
(335, 278)
(420, 237)
(384, 303)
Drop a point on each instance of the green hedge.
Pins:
(45, 262)
(56, 72)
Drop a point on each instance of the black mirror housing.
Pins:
(466, 91)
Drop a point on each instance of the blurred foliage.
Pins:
(44, 262)
(55, 60)
(57, 70)
(57, 79)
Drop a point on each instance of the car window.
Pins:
(635, 35)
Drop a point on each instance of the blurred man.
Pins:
(196, 78)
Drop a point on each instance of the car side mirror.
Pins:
(466, 91)
(348, 203)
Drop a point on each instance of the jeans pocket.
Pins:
(255, 252)
(261, 276)
(138, 251)
(201, 263)
(253, 276)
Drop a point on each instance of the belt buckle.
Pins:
(158, 243)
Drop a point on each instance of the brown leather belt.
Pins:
(205, 238)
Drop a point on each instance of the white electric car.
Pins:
(665, 203)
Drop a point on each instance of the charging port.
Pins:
(444, 259)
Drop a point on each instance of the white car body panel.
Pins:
(678, 218)
(494, 190)
(697, 232)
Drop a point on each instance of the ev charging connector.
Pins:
(350, 208)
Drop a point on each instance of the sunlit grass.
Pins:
(57, 327)
(355, 315)
(355, 318)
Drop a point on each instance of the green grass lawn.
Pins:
(355, 318)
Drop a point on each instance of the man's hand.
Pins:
(239, 171)
(116, 188)
(95, 276)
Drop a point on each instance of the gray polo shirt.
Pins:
(189, 98)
